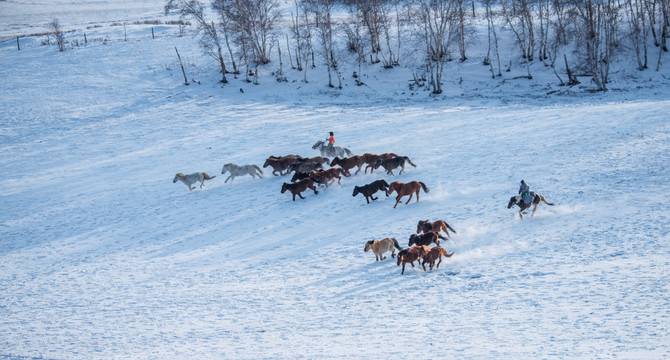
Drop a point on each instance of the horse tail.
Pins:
(259, 169)
(349, 153)
(206, 176)
(409, 161)
(425, 188)
(450, 228)
(395, 243)
(446, 253)
(545, 200)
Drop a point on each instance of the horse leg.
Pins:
(403, 268)
(228, 178)
(534, 209)
(373, 197)
(410, 198)
(314, 188)
(401, 170)
(397, 200)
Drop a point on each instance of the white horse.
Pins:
(236, 170)
(190, 179)
(331, 151)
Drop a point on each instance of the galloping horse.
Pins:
(237, 170)
(410, 188)
(393, 163)
(331, 151)
(518, 201)
(435, 226)
(425, 239)
(371, 159)
(410, 255)
(348, 163)
(300, 186)
(370, 189)
(434, 254)
(280, 163)
(379, 247)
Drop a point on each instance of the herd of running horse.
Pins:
(309, 173)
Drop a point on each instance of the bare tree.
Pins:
(596, 24)
(324, 26)
(436, 18)
(209, 38)
(58, 33)
(252, 21)
(638, 31)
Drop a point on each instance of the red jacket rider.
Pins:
(331, 139)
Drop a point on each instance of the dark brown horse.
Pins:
(348, 163)
(425, 239)
(410, 188)
(518, 201)
(371, 188)
(435, 226)
(300, 186)
(323, 177)
(410, 255)
(304, 166)
(433, 255)
(371, 159)
(393, 163)
(280, 163)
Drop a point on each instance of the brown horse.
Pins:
(393, 163)
(348, 163)
(410, 255)
(371, 188)
(518, 201)
(379, 247)
(323, 177)
(433, 255)
(300, 186)
(371, 159)
(435, 226)
(280, 163)
(425, 239)
(410, 188)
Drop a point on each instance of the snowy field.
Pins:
(102, 256)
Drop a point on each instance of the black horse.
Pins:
(371, 188)
(393, 163)
(518, 201)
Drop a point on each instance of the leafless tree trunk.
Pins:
(638, 31)
(254, 21)
(324, 25)
(209, 39)
(436, 18)
(597, 27)
(58, 33)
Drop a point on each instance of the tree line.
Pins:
(589, 34)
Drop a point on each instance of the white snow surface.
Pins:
(103, 257)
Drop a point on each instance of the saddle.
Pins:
(527, 197)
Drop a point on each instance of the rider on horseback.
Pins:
(525, 193)
(331, 140)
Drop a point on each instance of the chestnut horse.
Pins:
(433, 255)
(370, 189)
(410, 255)
(379, 247)
(518, 201)
(323, 177)
(300, 186)
(425, 239)
(410, 188)
(435, 226)
(280, 163)
(348, 163)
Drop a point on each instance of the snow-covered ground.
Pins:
(102, 256)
